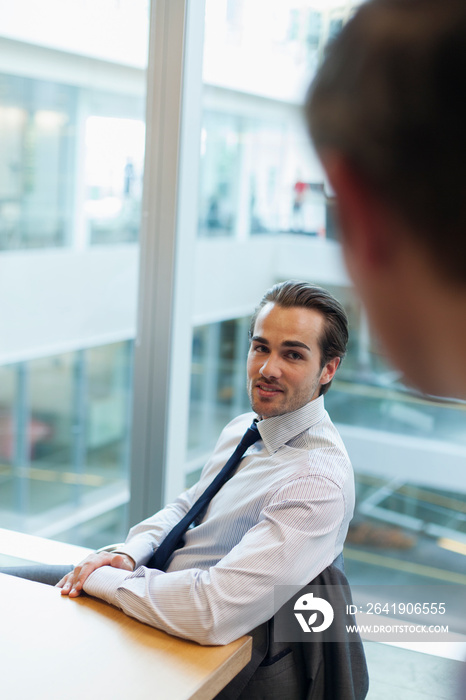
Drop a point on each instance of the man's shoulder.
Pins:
(324, 450)
(330, 436)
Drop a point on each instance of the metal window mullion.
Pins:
(21, 460)
(163, 347)
(80, 423)
(126, 384)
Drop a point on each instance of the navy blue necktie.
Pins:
(174, 537)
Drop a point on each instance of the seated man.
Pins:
(280, 518)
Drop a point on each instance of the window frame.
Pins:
(162, 361)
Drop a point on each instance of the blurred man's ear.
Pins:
(361, 216)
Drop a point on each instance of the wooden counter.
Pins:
(56, 648)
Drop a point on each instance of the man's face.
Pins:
(284, 371)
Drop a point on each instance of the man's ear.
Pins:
(361, 215)
(329, 370)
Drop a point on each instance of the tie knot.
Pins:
(251, 435)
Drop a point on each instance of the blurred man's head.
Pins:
(387, 113)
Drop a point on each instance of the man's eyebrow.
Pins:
(295, 344)
(286, 343)
(258, 339)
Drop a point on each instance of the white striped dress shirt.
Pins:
(281, 519)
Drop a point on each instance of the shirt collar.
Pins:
(278, 430)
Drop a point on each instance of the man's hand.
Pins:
(72, 583)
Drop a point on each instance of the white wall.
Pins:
(105, 29)
(55, 301)
(405, 458)
(231, 276)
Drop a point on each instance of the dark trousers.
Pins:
(42, 573)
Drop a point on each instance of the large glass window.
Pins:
(37, 140)
(255, 177)
(64, 441)
(45, 183)
(114, 168)
(220, 162)
(218, 384)
(72, 132)
(259, 175)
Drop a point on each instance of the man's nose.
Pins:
(271, 367)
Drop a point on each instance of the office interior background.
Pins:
(136, 239)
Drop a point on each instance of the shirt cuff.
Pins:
(104, 582)
(140, 552)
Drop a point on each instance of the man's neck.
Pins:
(439, 314)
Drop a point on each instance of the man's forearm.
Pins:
(219, 604)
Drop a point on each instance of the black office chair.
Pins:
(323, 670)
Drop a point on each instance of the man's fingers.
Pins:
(65, 583)
(76, 589)
(72, 584)
(80, 574)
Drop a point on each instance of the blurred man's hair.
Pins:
(391, 98)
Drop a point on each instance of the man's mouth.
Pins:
(268, 389)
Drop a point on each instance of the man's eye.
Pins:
(295, 356)
(261, 348)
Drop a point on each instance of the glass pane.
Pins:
(220, 157)
(114, 168)
(218, 382)
(37, 138)
(9, 475)
(266, 215)
(49, 402)
(72, 106)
